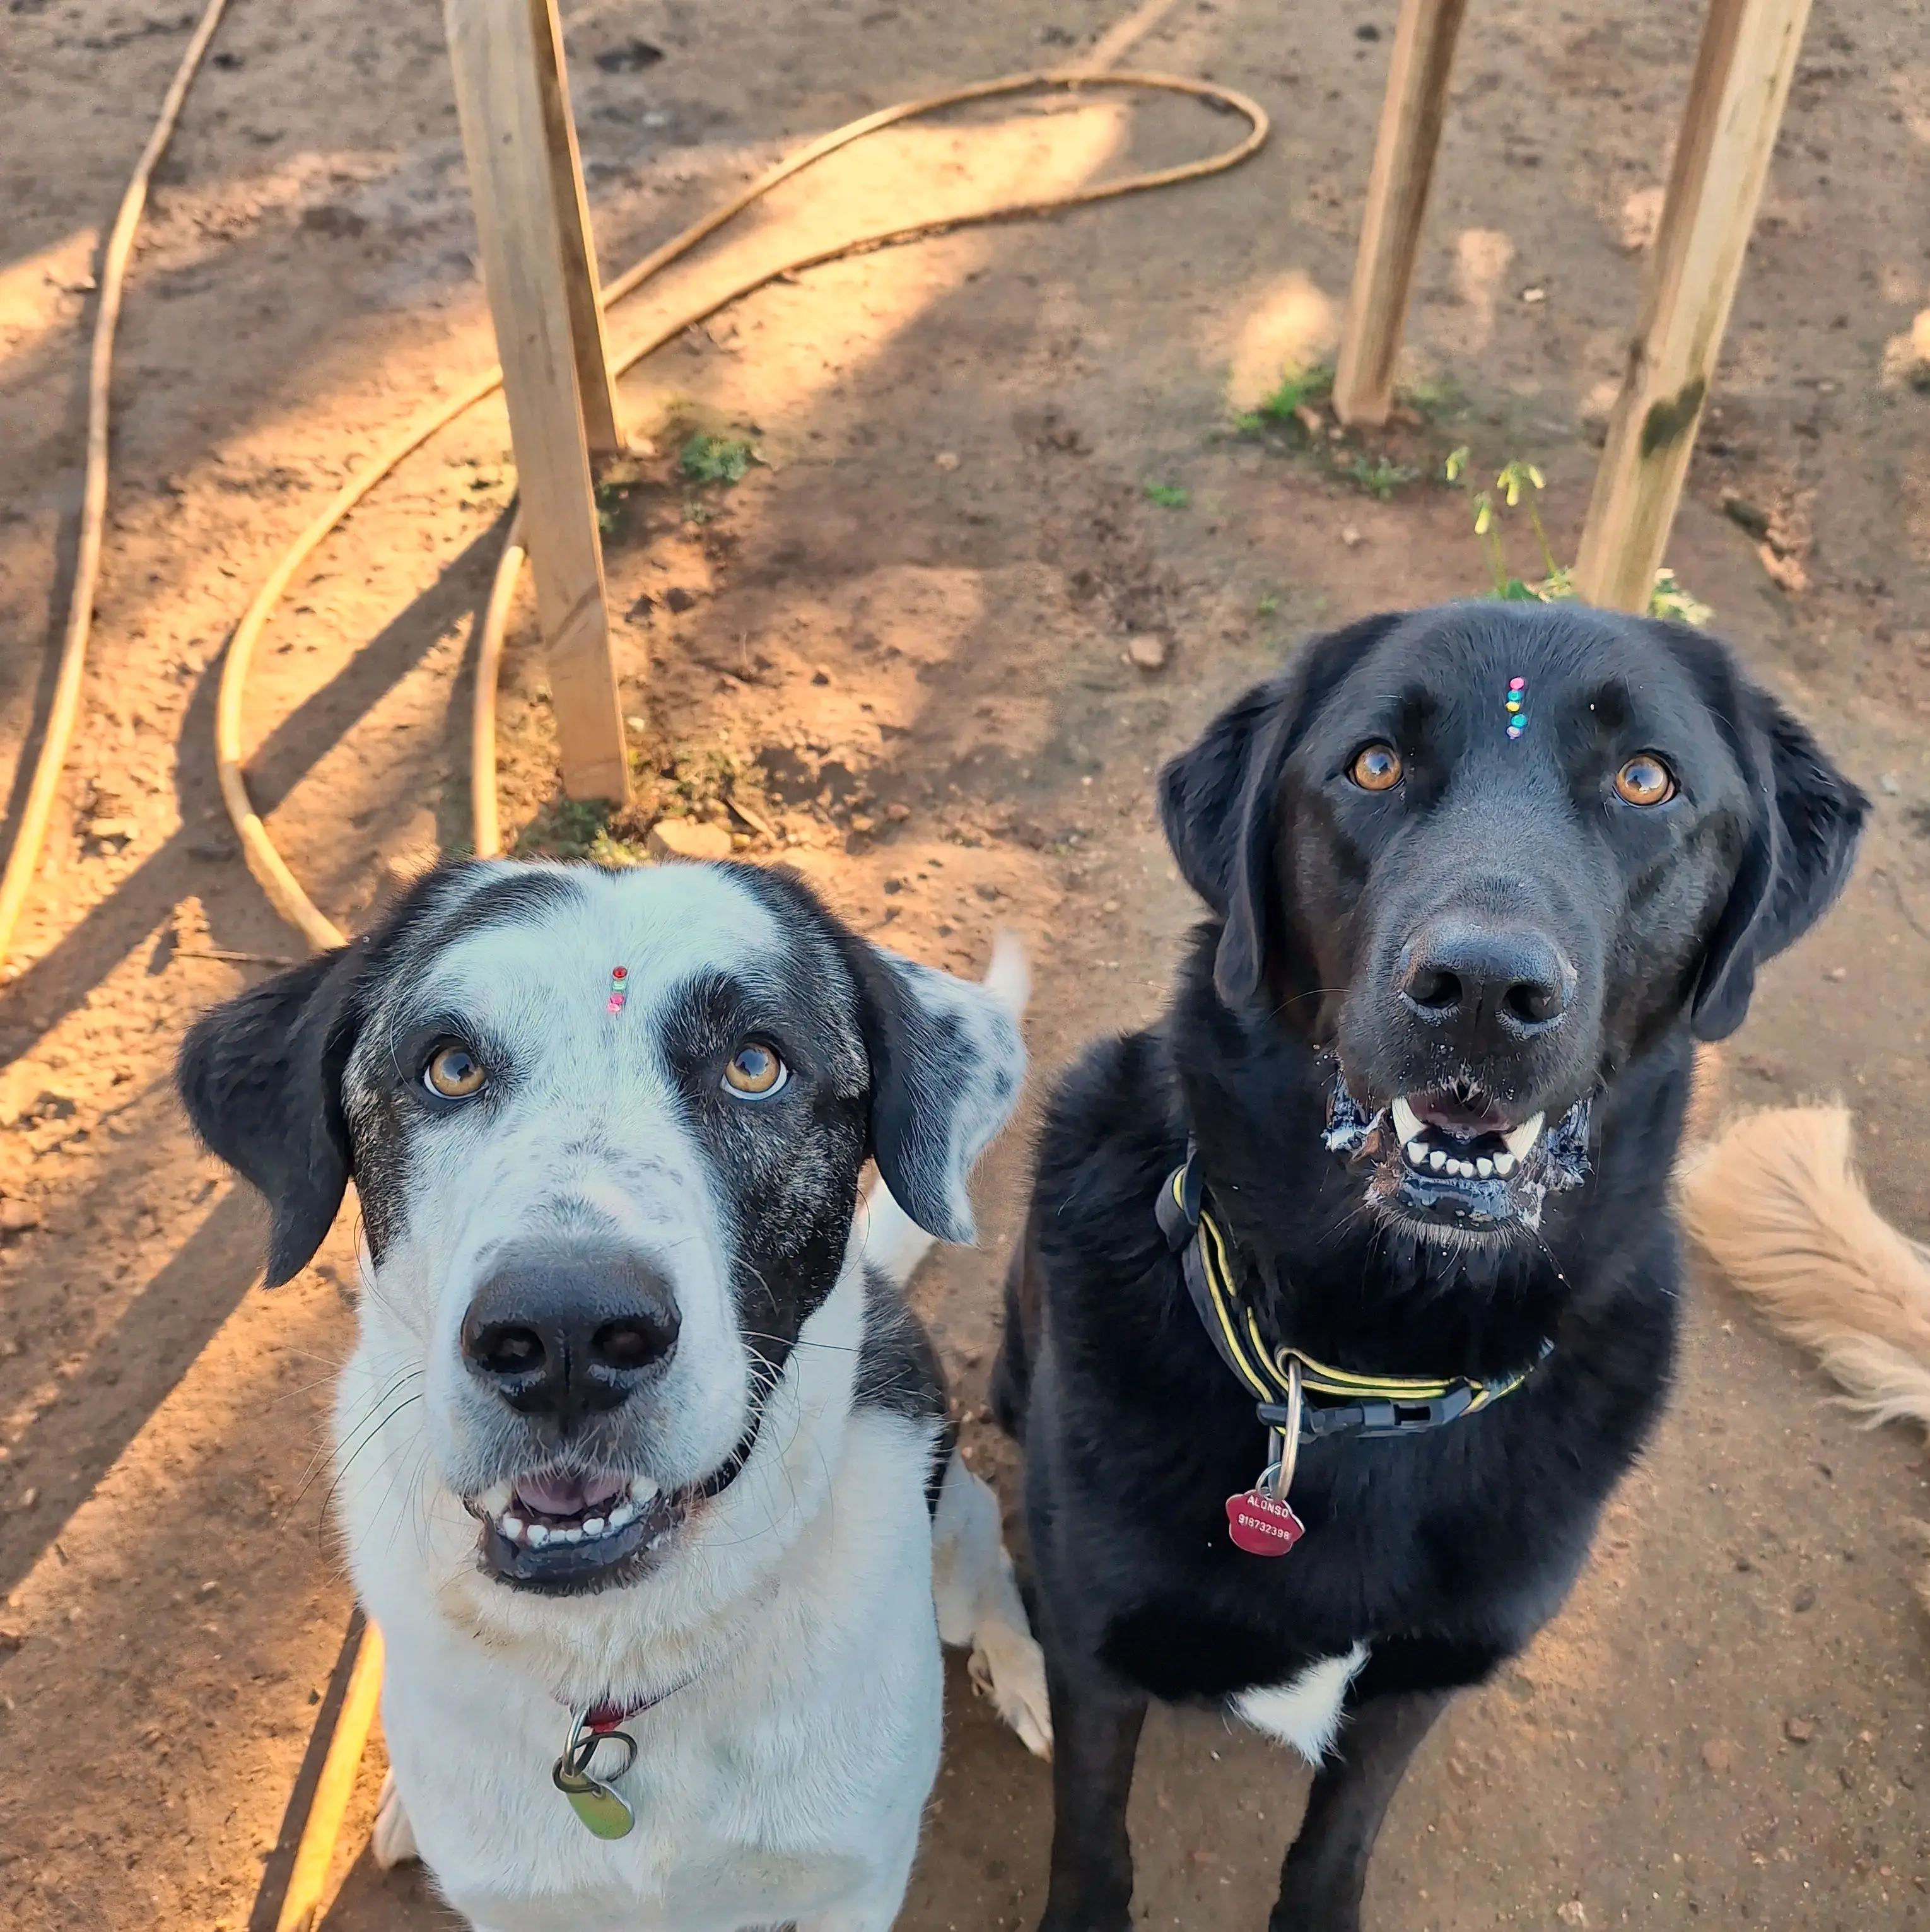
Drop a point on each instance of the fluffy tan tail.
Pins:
(1776, 1204)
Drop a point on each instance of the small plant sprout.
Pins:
(1297, 389)
(718, 459)
(1168, 496)
(1519, 481)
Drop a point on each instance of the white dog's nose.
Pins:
(566, 1332)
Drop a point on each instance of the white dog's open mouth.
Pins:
(559, 1529)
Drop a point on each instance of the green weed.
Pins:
(1168, 496)
(1298, 389)
(1377, 475)
(718, 459)
(566, 828)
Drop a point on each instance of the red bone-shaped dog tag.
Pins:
(1261, 1526)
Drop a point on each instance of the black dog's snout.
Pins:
(1486, 984)
(569, 1333)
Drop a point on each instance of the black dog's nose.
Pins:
(568, 1333)
(1488, 984)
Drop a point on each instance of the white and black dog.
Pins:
(645, 1467)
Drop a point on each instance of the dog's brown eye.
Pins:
(1645, 780)
(1376, 768)
(755, 1072)
(454, 1072)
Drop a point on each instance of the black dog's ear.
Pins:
(1808, 818)
(1218, 802)
(261, 1076)
(947, 1061)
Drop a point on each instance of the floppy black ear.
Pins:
(1808, 818)
(947, 1061)
(260, 1076)
(1218, 802)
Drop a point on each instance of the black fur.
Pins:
(1444, 1552)
(900, 1372)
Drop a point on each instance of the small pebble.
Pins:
(945, 459)
(1350, 536)
(1148, 650)
(1719, 1754)
(1804, 1598)
(1534, 295)
(1798, 1730)
(1837, 972)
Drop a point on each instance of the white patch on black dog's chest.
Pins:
(1304, 1712)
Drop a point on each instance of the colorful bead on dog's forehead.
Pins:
(619, 987)
(1518, 717)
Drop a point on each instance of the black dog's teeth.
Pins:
(1484, 1157)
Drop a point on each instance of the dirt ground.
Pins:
(901, 640)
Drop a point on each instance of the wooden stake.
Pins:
(1736, 98)
(603, 426)
(1403, 166)
(500, 52)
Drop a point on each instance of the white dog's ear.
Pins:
(260, 1076)
(946, 1064)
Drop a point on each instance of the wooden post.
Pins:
(1403, 166)
(1735, 97)
(537, 267)
(601, 424)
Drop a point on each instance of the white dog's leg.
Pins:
(393, 1841)
(979, 1605)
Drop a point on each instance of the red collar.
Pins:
(601, 1719)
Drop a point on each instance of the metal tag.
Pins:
(1262, 1524)
(604, 1811)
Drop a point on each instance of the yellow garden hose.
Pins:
(30, 836)
(284, 891)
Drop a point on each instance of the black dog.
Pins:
(1389, 1184)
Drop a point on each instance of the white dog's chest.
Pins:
(787, 1782)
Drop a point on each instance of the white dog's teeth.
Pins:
(643, 1491)
(539, 1535)
(495, 1501)
(593, 1525)
(1484, 1167)
(621, 1514)
(572, 1535)
(513, 1527)
(1437, 1160)
(1504, 1165)
(1417, 1153)
(1406, 1121)
(1521, 1140)
(1465, 1168)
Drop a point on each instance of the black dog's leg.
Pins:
(1326, 1868)
(1095, 1737)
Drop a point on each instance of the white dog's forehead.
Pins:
(559, 945)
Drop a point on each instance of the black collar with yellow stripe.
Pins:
(1334, 1402)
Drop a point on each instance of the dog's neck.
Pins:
(1360, 1290)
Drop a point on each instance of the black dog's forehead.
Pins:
(1450, 672)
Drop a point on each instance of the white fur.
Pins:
(1304, 1712)
(783, 1777)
